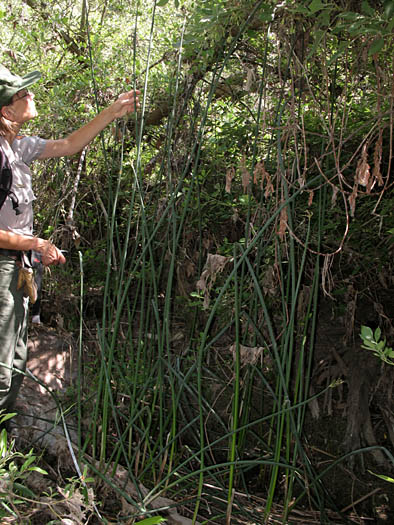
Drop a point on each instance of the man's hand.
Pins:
(13, 241)
(49, 253)
(126, 103)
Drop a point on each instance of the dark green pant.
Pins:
(13, 333)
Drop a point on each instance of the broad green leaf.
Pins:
(389, 8)
(160, 3)
(302, 10)
(151, 521)
(376, 46)
(349, 16)
(5, 417)
(324, 17)
(265, 17)
(337, 30)
(316, 5)
(357, 28)
(27, 463)
(39, 470)
(3, 443)
(378, 333)
(265, 13)
(367, 9)
(373, 29)
(366, 332)
(24, 491)
(318, 36)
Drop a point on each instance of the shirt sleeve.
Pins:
(31, 148)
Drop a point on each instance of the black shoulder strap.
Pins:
(6, 183)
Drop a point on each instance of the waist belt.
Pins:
(15, 254)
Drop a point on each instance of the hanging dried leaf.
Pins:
(352, 200)
(230, 174)
(206, 243)
(326, 276)
(246, 178)
(250, 79)
(363, 168)
(213, 265)
(269, 187)
(261, 173)
(190, 268)
(235, 216)
(310, 200)
(377, 159)
(248, 355)
(270, 281)
(335, 191)
(282, 223)
(301, 180)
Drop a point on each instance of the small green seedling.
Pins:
(382, 476)
(372, 341)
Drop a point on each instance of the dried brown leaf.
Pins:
(282, 224)
(311, 195)
(363, 169)
(269, 187)
(213, 266)
(248, 355)
(335, 191)
(190, 268)
(246, 178)
(206, 243)
(74, 506)
(230, 174)
(270, 281)
(377, 159)
(352, 201)
(261, 173)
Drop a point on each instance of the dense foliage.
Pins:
(255, 181)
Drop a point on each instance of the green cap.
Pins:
(11, 84)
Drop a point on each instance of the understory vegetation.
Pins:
(225, 245)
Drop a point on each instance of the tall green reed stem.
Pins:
(139, 369)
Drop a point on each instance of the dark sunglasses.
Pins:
(21, 94)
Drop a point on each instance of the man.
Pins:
(17, 106)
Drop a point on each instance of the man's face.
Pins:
(22, 107)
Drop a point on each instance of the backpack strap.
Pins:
(6, 183)
(3, 159)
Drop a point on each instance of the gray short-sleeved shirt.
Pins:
(20, 154)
